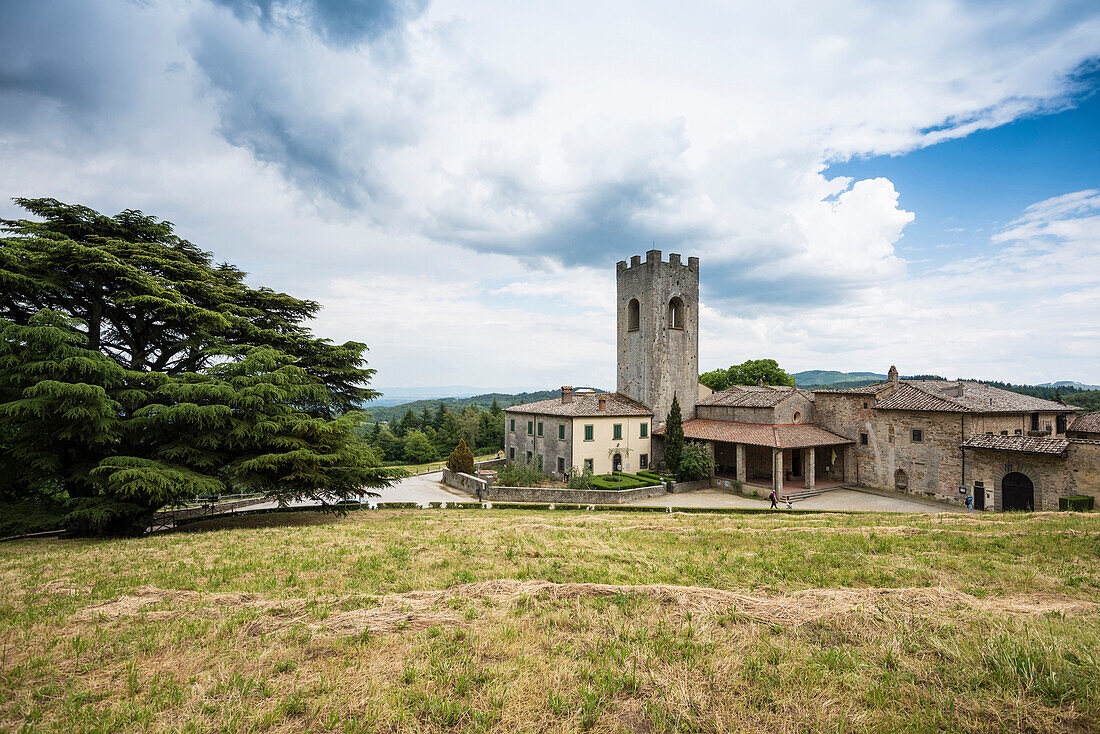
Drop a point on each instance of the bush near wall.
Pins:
(1076, 503)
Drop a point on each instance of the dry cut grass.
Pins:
(559, 621)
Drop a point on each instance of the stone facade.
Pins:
(1076, 473)
(887, 455)
(549, 452)
(657, 332)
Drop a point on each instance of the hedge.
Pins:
(621, 481)
(1076, 503)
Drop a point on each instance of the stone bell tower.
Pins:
(658, 332)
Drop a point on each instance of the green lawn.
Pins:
(448, 620)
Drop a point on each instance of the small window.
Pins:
(561, 432)
(644, 430)
(1035, 421)
(540, 428)
(512, 453)
(865, 405)
(633, 315)
(1019, 431)
(617, 432)
(643, 461)
(918, 435)
(588, 466)
(1004, 433)
(512, 425)
(797, 417)
(863, 439)
(561, 465)
(528, 457)
(588, 431)
(538, 462)
(676, 313)
(530, 427)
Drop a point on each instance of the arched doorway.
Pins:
(901, 481)
(1017, 492)
(617, 463)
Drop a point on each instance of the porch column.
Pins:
(742, 468)
(808, 460)
(777, 471)
(710, 450)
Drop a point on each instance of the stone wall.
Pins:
(1051, 476)
(570, 496)
(655, 361)
(465, 482)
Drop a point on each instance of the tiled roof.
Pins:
(977, 397)
(584, 404)
(1087, 423)
(1019, 444)
(754, 396)
(801, 435)
(862, 390)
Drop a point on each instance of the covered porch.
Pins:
(783, 458)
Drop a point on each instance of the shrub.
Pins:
(695, 462)
(620, 480)
(519, 475)
(461, 459)
(1076, 503)
(579, 481)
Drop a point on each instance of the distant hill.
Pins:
(456, 404)
(1069, 383)
(831, 378)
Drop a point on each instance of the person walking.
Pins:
(969, 502)
(775, 500)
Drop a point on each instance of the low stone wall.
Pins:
(466, 482)
(489, 463)
(571, 496)
(681, 487)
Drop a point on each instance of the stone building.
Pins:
(590, 430)
(917, 436)
(937, 439)
(766, 435)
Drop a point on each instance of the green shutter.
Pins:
(645, 430)
(618, 432)
(588, 433)
(561, 431)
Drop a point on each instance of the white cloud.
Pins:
(488, 163)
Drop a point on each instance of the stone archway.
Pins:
(1017, 492)
(901, 481)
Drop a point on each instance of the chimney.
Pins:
(603, 402)
(961, 389)
(892, 375)
(566, 394)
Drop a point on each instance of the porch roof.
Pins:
(770, 435)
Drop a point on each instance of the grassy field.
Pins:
(442, 620)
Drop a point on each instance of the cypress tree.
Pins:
(674, 436)
(461, 459)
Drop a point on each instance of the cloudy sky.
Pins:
(865, 183)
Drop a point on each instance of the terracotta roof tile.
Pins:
(1018, 444)
(801, 435)
(754, 396)
(976, 397)
(584, 404)
(1087, 423)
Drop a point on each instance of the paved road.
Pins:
(429, 488)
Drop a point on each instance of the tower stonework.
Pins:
(657, 334)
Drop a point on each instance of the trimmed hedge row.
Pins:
(621, 480)
(1076, 503)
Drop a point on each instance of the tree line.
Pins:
(431, 435)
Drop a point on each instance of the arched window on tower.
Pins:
(633, 315)
(676, 313)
